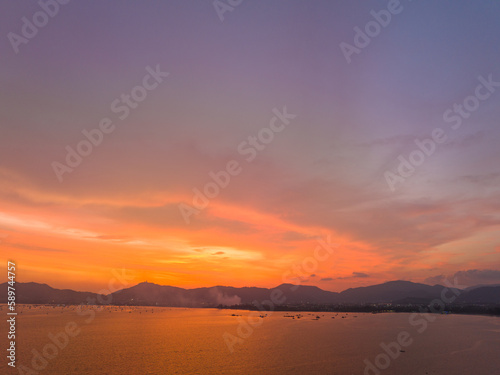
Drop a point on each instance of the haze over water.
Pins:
(146, 340)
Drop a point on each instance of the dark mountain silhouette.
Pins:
(307, 294)
(479, 286)
(395, 292)
(392, 291)
(147, 293)
(42, 293)
(150, 294)
(481, 295)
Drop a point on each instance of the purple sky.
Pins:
(326, 173)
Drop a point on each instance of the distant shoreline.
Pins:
(493, 310)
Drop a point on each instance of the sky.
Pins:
(328, 143)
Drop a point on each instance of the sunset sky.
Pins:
(324, 174)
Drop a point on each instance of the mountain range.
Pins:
(149, 294)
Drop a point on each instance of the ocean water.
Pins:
(146, 340)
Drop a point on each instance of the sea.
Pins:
(159, 340)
